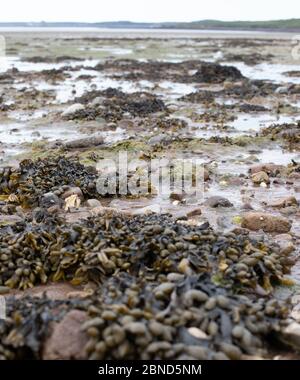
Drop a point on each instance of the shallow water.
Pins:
(9, 62)
(254, 123)
(267, 71)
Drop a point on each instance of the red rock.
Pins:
(67, 341)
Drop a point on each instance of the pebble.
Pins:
(260, 177)
(217, 201)
(92, 203)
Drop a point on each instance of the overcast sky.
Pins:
(147, 10)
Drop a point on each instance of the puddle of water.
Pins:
(244, 124)
(27, 115)
(65, 91)
(109, 50)
(239, 163)
(7, 63)
(277, 156)
(248, 123)
(19, 133)
(176, 89)
(267, 71)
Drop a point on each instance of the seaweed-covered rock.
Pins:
(266, 222)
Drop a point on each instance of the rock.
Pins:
(67, 341)
(177, 196)
(284, 202)
(217, 201)
(267, 222)
(205, 175)
(72, 191)
(260, 177)
(84, 142)
(49, 200)
(92, 203)
(270, 169)
(72, 109)
(194, 212)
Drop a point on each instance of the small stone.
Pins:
(177, 196)
(194, 212)
(260, 177)
(92, 203)
(217, 201)
(86, 142)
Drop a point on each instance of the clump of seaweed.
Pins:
(113, 104)
(103, 246)
(32, 179)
